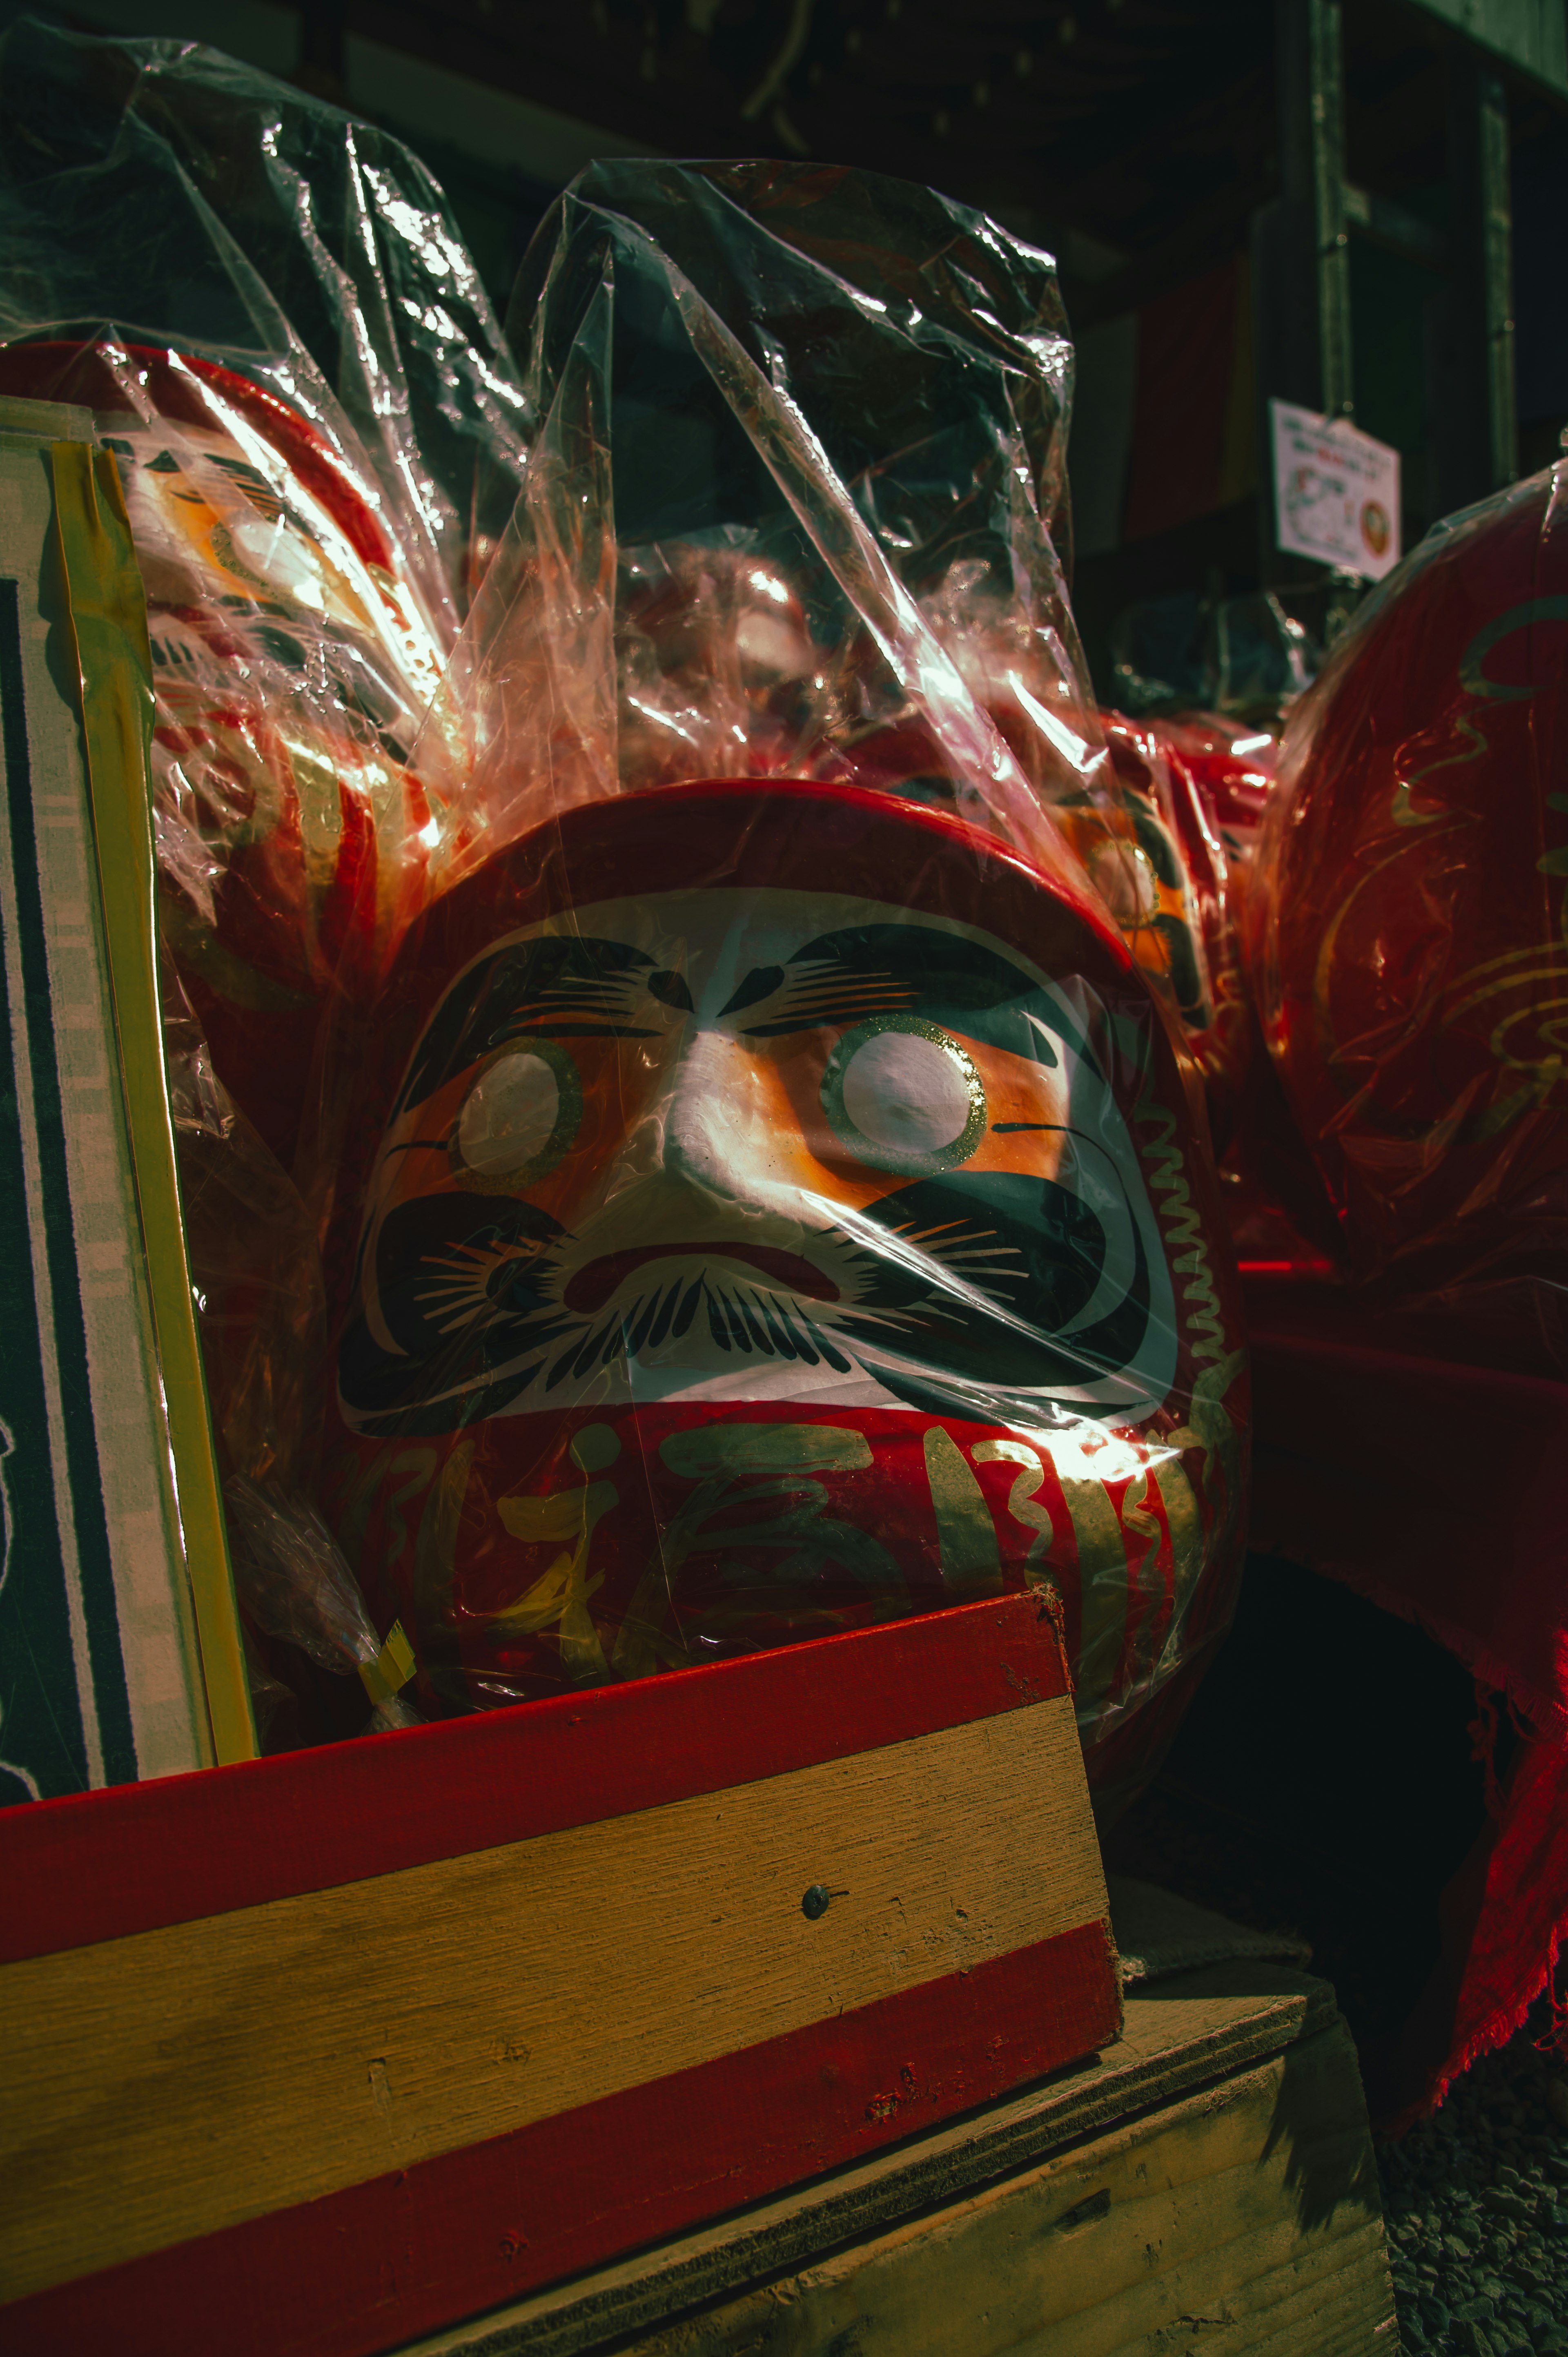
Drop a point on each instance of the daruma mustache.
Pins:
(589, 1288)
(987, 1287)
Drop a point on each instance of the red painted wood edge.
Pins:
(382, 2263)
(100, 1865)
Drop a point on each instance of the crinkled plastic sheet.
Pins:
(648, 914)
(269, 312)
(1245, 656)
(1178, 898)
(782, 1208)
(1409, 935)
(177, 196)
(797, 451)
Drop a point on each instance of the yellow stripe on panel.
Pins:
(219, 2069)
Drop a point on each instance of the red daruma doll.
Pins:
(780, 1214)
(1407, 938)
(292, 663)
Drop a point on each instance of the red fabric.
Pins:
(1505, 1923)
(1358, 1449)
(1355, 1477)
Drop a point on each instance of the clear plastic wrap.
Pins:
(1212, 778)
(781, 1205)
(1244, 657)
(1170, 897)
(269, 313)
(637, 860)
(1407, 935)
(1234, 766)
(154, 190)
(294, 1585)
(773, 521)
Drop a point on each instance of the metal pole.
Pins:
(1326, 40)
(1496, 274)
(1301, 261)
(1474, 435)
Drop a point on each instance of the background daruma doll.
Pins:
(1407, 933)
(785, 1216)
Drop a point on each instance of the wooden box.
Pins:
(311, 2055)
(1211, 2180)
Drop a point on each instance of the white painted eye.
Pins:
(518, 1118)
(904, 1095)
(907, 1093)
(508, 1115)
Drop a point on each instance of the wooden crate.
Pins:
(307, 2055)
(1209, 2181)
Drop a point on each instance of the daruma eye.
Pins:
(517, 1120)
(904, 1095)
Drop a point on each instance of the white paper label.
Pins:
(1336, 492)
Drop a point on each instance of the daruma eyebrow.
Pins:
(573, 987)
(860, 971)
(883, 969)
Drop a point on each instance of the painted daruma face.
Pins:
(741, 1146)
(746, 1261)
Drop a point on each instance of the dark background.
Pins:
(1136, 139)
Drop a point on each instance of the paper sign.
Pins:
(1336, 492)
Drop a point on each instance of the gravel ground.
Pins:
(1345, 1827)
(1477, 2198)
(1476, 2204)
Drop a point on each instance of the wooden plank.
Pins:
(1194, 2031)
(1250, 2208)
(356, 2271)
(101, 1865)
(323, 2041)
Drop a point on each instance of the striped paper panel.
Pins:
(101, 1679)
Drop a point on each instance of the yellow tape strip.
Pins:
(393, 1667)
(109, 621)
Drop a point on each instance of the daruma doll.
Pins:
(292, 665)
(779, 1212)
(1407, 938)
